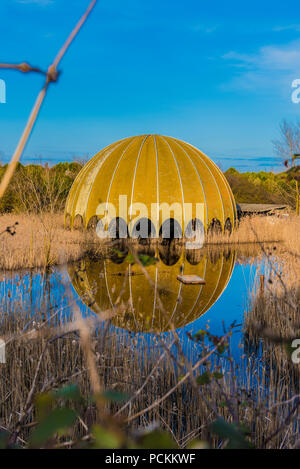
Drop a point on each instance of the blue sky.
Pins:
(215, 74)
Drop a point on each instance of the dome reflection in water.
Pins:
(114, 284)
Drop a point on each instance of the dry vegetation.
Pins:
(44, 352)
(43, 356)
(274, 304)
(48, 349)
(261, 229)
(54, 346)
(41, 240)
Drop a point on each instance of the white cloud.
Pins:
(37, 2)
(269, 57)
(270, 66)
(288, 27)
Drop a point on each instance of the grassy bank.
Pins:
(41, 240)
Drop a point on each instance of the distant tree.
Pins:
(288, 149)
(262, 187)
(39, 189)
(289, 143)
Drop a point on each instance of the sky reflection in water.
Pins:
(97, 285)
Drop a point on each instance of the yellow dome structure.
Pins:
(114, 285)
(151, 171)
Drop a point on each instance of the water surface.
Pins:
(143, 301)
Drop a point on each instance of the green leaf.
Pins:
(198, 444)
(130, 259)
(245, 404)
(115, 396)
(223, 404)
(71, 393)
(59, 420)
(44, 402)
(147, 260)
(105, 439)
(200, 335)
(288, 349)
(204, 378)
(217, 375)
(233, 433)
(4, 436)
(158, 440)
(221, 349)
(120, 254)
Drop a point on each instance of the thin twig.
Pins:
(137, 393)
(73, 34)
(51, 76)
(23, 67)
(23, 140)
(185, 377)
(284, 424)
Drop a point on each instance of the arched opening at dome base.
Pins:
(118, 229)
(195, 234)
(67, 222)
(78, 223)
(143, 228)
(215, 227)
(170, 229)
(228, 227)
(92, 224)
(119, 170)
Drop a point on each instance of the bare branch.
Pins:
(73, 34)
(22, 67)
(51, 76)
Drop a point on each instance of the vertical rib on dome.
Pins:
(148, 171)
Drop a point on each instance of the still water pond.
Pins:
(142, 299)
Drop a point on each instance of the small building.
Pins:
(259, 209)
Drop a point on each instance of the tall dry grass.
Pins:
(274, 304)
(41, 240)
(264, 387)
(272, 322)
(261, 229)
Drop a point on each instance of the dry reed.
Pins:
(41, 240)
